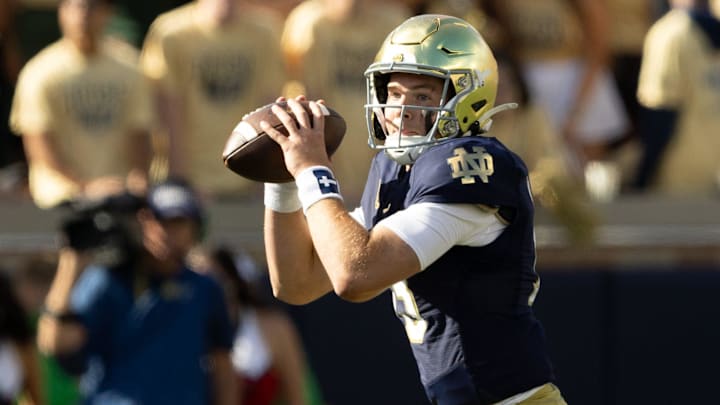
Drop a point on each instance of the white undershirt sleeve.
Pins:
(357, 215)
(431, 229)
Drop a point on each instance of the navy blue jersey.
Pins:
(468, 315)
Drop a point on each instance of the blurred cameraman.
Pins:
(138, 324)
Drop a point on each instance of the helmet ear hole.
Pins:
(478, 105)
(450, 92)
(380, 82)
(378, 130)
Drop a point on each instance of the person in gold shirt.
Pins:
(210, 62)
(562, 46)
(679, 89)
(527, 131)
(629, 22)
(83, 109)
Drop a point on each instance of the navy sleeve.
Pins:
(467, 171)
(90, 301)
(90, 298)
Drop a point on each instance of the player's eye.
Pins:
(426, 99)
(394, 95)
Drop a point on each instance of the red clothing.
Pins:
(262, 391)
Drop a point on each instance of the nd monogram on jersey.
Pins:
(501, 350)
(467, 166)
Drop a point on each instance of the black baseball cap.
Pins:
(174, 198)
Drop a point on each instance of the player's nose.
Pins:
(406, 113)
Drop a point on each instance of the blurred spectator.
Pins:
(679, 87)
(83, 109)
(327, 45)
(629, 22)
(268, 355)
(13, 166)
(526, 131)
(126, 311)
(211, 62)
(19, 366)
(563, 49)
(32, 281)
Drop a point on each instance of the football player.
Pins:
(446, 219)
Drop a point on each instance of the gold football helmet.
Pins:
(440, 46)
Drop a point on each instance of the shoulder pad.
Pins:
(472, 170)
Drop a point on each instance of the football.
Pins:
(252, 154)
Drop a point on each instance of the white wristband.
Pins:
(316, 183)
(282, 197)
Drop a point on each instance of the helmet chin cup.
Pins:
(404, 156)
(408, 148)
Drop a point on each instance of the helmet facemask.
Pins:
(441, 123)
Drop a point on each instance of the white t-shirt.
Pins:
(250, 354)
(431, 229)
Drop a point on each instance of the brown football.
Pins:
(252, 154)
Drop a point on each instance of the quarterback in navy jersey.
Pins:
(446, 220)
